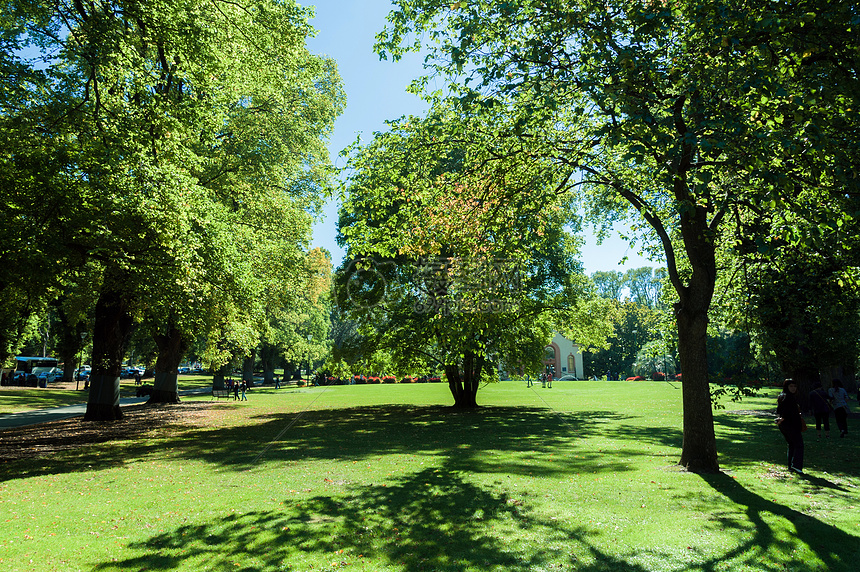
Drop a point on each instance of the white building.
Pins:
(564, 357)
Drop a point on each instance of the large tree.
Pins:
(196, 137)
(679, 112)
(442, 277)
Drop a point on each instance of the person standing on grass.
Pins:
(244, 387)
(821, 409)
(235, 392)
(839, 398)
(790, 422)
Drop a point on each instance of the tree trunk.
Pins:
(248, 368)
(268, 359)
(112, 329)
(70, 343)
(464, 388)
(218, 378)
(172, 346)
(699, 448)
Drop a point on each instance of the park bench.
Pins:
(219, 393)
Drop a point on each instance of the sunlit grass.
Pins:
(581, 476)
(16, 399)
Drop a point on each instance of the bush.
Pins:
(374, 380)
(389, 379)
(407, 379)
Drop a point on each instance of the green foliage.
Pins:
(634, 327)
(441, 266)
(799, 301)
(182, 144)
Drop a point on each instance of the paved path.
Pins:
(10, 420)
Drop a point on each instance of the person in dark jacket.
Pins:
(821, 408)
(790, 422)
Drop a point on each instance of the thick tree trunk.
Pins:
(165, 388)
(248, 368)
(699, 448)
(111, 333)
(268, 359)
(172, 346)
(805, 377)
(464, 388)
(218, 379)
(103, 401)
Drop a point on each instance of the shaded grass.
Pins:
(384, 478)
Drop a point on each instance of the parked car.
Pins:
(83, 373)
(51, 375)
(567, 378)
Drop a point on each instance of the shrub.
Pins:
(389, 379)
(407, 379)
(374, 380)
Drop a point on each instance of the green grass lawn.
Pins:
(384, 477)
(17, 399)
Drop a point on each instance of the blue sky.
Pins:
(376, 91)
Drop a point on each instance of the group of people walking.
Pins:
(823, 402)
(789, 417)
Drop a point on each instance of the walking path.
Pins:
(23, 418)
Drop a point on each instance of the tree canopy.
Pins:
(184, 150)
(464, 282)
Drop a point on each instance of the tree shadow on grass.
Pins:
(519, 440)
(431, 520)
(515, 440)
(747, 439)
(72, 445)
(837, 549)
(437, 520)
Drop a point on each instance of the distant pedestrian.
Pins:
(277, 382)
(839, 402)
(244, 387)
(790, 423)
(137, 378)
(549, 380)
(821, 408)
(235, 392)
